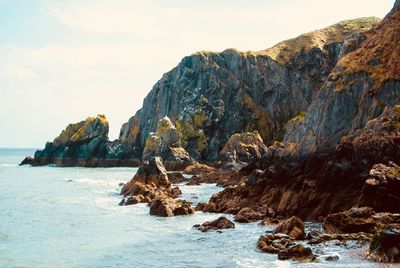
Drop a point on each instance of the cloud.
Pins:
(116, 50)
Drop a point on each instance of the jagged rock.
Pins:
(218, 224)
(313, 186)
(358, 89)
(358, 220)
(151, 185)
(85, 144)
(293, 227)
(211, 96)
(244, 147)
(385, 246)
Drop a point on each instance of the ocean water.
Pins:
(69, 217)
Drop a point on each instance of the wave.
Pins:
(8, 165)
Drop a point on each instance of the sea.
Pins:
(69, 217)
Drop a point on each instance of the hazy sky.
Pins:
(64, 60)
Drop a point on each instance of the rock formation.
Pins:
(151, 185)
(167, 143)
(244, 147)
(211, 96)
(218, 224)
(85, 144)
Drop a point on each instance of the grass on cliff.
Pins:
(379, 54)
(284, 51)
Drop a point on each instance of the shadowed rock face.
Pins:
(211, 96)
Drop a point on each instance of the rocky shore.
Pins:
(308, 130)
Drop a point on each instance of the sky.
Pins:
(64, 60)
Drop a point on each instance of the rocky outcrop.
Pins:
(151, 185)
(244, 147)
(211, 96)
(385, 246)
(358, 220)
(167, 143)
(85, 144)
(219, 224)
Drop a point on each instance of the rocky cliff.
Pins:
(364, 82)
(344, 151)
(211, 96)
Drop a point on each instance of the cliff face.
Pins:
(344, 151)
(364, 82)
(211, 96)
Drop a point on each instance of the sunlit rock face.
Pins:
(85, 144)
(211, 96)
(365, 81)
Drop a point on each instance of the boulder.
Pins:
(293, 227)
(218, 224)
(298, 253)
(161, 207)
(385, 246)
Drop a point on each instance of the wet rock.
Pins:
(340, 238)
(284, 246)
(385, 246)
(218, 224)
(151, 185)
(247, 214)
(130, 200)
(298, 253)
(293, 227)
(161, 207)
(332, 258)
